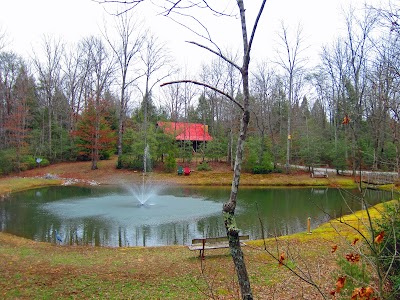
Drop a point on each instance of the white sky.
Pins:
(26, 21)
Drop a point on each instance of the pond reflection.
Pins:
(109, 216)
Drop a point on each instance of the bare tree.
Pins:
(385, 89)
(292, 63)
(12, 71)
(155, 59)
(99, 78)
(49, 75)
(226, 77)
(76, 68)
(358, 46)
(230, 112)
(230, 206)
(214, 74)
(389, 15)
(127, 54)
(3, 38)
(174, 101)
(266, 93)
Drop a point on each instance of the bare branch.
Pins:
(131, 4)
(253, 32)
(201, 4)
(216, 53)
(206, 37)
(206, 86)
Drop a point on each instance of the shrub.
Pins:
(45, 162)
(106, 154)
(131, 162)
(203, 167)
(7, 160)
(356, 273)
(263, 169)
(170, 163)
(28, 162)
(389, 255)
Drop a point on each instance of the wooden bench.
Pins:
(210, 243)
(319, 174)
(319, 171)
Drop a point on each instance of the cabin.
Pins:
(183, 131)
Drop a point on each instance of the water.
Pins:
(112, 216)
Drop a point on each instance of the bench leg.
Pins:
(201, 255)
(202, 250)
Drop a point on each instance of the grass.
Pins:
(14, 184)
(34, 270)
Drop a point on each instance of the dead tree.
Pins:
(182, 8)
(230, 206)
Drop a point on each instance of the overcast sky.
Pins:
(26, 21)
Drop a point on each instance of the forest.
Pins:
(96, 98)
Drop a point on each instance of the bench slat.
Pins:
(207, 247)
(212, 246)
(213, 243)
(217, 239)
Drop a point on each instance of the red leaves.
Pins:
(363, 294)
(351, 257)
(281, 258)
(346, 120)
(340, 283)
(379, 237)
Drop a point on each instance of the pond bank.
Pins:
(80, 173)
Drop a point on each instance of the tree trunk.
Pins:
(229, 215)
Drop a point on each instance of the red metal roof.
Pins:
(186, 131)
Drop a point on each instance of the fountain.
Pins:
(144, 191)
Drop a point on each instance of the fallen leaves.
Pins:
(351, 257)
(379, 237)
(340, 283)
(281, 258)
(363, 293)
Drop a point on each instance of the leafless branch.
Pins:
(253, 32)
(207, 36)
(216, 53)
(175, 6)
(206, 86)
(131, 4)
(200, 4)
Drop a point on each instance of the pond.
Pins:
(111, 216)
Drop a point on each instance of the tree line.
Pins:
(97, 98)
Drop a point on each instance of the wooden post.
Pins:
(202, 251)
(309, 225)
